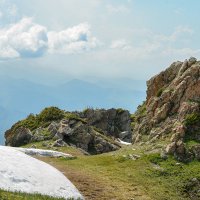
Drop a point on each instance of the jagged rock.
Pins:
(22, 136)
(52, 128)
(112, 121)
(88, 139)
(59, 143)
(192, 61)
(180, 148)
(172, 107)
(41, 134)
(171, 148)
(92, 130)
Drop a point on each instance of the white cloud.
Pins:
(28, 39)
(117, 9)
(25, 39)
(72, 40)
(120, 44)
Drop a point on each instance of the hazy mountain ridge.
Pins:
(21, 97)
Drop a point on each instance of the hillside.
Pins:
(161, 163)
(94, 131)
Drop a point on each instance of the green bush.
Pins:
(160, 91)
(120, 111)
(72, 116)
(192, 119)
(32, 122)
(50, 114)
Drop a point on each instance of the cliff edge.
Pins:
(171, 111)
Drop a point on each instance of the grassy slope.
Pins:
(115, 176)
(4, 195)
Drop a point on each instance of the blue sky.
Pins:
(50, 41)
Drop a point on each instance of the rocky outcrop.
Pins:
(172, 108)
(84, 136)
(93, 131)
(22, 136)
(114, 122)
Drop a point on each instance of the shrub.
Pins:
(32, 122)
(74, 116)
(50, 114)
(160, 91)
(192, 119)
(120, 111)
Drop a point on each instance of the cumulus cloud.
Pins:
(25, 39)
(28, 39)
(72, 40)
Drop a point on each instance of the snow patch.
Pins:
(122, 142)
(42, 152)
(20, 172)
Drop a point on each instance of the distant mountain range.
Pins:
(21, 97)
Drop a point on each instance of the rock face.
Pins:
(93, 131)
(115, 122)
(22, 136)
(172, 109)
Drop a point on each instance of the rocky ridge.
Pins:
(94, 130)
(171, 111)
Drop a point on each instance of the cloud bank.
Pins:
(28, 39)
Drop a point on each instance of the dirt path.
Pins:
(97, 188)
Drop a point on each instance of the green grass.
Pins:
(120, 177)
(153, 177)
(5, 195)
(191, 143)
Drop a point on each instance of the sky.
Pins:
(51, 41)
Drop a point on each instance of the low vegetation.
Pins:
(41, 120)
(5, 195)
(116, 175)
(72, 116)
(160, 91)
(192, 119)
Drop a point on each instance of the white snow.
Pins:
(20, 172)
(122, 142)
(42, 152)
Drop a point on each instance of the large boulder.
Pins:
(76, 130)
(85, 137)
(114, 122)
(21, 137)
